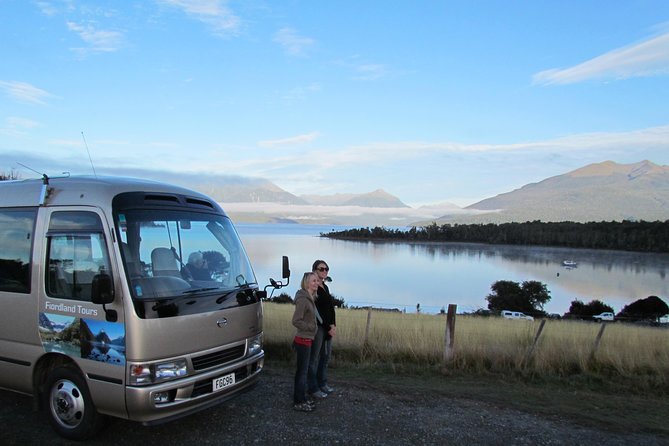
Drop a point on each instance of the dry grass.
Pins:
(491, 345)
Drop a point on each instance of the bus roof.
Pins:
(85, 190)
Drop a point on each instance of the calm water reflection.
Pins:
(400, 275)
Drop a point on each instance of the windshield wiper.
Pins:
(200, 290)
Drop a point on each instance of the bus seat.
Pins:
(164, 263)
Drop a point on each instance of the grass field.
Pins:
(636, 357)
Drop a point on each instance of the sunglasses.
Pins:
(323, 268)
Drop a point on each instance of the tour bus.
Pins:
(100, 313)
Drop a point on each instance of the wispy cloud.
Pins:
(14, 121)
(214, 13)
(309, 211)
(15, 126)
(47, 8)
(647, 58)
(292, 42)
(317, 163)
(300, 93)
(653, 137)
(98, 41)
(370, 72)
(68, 143)
(299, 139)
(24, 92)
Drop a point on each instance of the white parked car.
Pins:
(604, 317)
(516, 315)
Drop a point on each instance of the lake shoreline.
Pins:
(393, 273)
(630, 236)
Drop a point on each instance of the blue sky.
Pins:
(433, 101)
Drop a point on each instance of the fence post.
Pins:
(450, 333)
(530, 352)
(369, 322)
(597, 340)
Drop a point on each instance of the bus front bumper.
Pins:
(168, 401)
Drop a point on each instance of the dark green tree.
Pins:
(282, 298)
(528, 297)
(579, 310)
(537, 294)
(506, 295)
(650, 308)
(576, 309)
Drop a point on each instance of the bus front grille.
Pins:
(218, 358)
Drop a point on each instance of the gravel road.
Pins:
(357, 413)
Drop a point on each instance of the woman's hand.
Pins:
(333, 330)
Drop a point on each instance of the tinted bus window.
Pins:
(76, 253)
(16, 239)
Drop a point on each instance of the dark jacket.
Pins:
(326, 308)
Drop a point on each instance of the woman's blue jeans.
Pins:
(318, 361)
(303, 352)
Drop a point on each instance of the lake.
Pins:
(434, 275)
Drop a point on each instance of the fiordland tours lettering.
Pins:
(75, 309)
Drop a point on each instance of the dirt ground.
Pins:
(357, 413)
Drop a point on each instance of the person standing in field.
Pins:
(304, 320)
(321, 349)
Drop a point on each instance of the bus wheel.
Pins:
(69, 405)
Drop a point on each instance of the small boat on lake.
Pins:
(569, 263)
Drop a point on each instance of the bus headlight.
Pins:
(255, 345)
(142, 374)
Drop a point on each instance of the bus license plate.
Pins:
(223, 382)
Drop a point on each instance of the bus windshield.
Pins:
(176, 255)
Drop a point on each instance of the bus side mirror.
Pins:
(102, 291)
(286, 268)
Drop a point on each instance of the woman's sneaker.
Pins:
(327, 389)
(319, 395)
(303, 407)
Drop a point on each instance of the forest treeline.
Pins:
(626, 235)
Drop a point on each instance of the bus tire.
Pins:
(69, 406)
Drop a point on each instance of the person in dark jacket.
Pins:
(321, 348)
(197, 268)
(304, 320)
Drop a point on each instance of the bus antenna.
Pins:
(89, 154)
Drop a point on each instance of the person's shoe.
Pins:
(319, 395)
(311, 402)
(327, 389)
(303, 407)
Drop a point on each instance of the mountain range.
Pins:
(234, 189)
(605, 191)
(378, 198)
